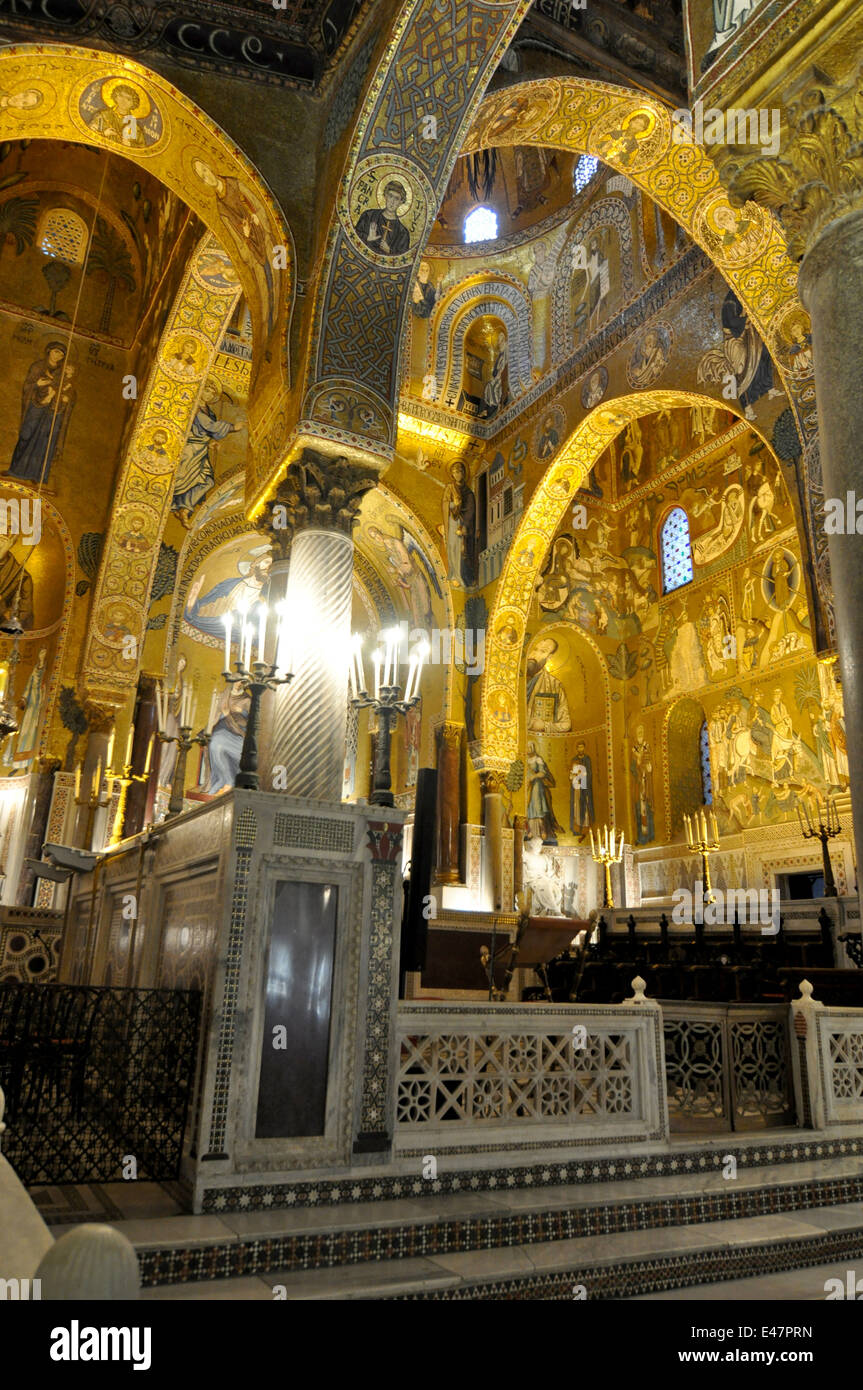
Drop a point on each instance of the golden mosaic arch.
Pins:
(501, 702)
(633, 134)
(74, 96)
(188, 348)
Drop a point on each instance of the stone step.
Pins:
(678, 1261)
(181, 1249)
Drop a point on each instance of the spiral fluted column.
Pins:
(309, 522)
(309, 716)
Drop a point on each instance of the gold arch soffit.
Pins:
(144, 492)
(633, 134)
(178, 144)
(501, 703)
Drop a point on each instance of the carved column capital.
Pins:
(492, 783)
(817, 177)
(449, 733)
(318, 491)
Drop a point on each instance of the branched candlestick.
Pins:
(607, 849)
(125, 776)
(253, 678)
(385, 702)
(821, 823)
(185, 740)
(703, 838)
(93, 801)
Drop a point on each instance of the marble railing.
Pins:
(828, 1062)
(588, 1072)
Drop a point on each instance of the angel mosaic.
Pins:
(409, 567)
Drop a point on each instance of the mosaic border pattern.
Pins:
(632, 1278)
(244, 839)
(415, 1238)
(321, 1192)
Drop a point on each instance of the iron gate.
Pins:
(727, 1067)
(93, 1075)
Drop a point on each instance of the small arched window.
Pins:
(480, 225)
(584, 171)
(676, 550)
(63, 235)
(706, 774)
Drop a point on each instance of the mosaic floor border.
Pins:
(654, 1276)
(493, 1231)
(323, 1191)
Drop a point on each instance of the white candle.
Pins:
(160, 718)
(412, 670)
(128, 759)
(361, 675)
(149, 758)
(228, 620)
(393, 657)
(422, 653)
(247, 644)
(110, 755)
(352, 670)
(376, 662)
(262, 629)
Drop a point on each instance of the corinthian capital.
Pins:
(317, 491)
(818, 175)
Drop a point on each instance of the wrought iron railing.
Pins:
(94, 1078)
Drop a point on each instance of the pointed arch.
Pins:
(191, 155)
(142, 498)
(605, 212)
(500, 718)
(497, 295)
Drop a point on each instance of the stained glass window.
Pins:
(480, 225)
(676, 551)
(584, 172)
(706, 774)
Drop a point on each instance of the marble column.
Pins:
(492, 819)
(42, 785)
(518, 833)
(448, 802)
(316, 506)
(140, 794)
(831, 287)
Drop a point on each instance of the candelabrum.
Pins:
(385, 702)
(819, 820)
(125, 776)
(702, 837)
(607, 849)
(185, 740)
(253, 678)
(93, 801)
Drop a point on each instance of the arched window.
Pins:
(480, 225)
(63, 235)
(706, 774)
(676, 550)
(584, 171)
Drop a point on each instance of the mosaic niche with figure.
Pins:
(485, 374)
(566, 737)
(687, 573)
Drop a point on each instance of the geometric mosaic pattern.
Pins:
(631, 1279)
(419, 1236)
(313, 832)
(544, 1173)
(461, 1078)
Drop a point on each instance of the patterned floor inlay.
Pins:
(323, 1191)
(623, 1281)
(420, 1237)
